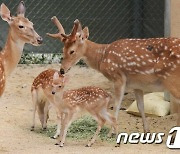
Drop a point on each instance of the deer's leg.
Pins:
(100, 122)
(66, 120)
(46, 116)
(58, 128)
(178, 120)
(40, 110)
(113, 123)
(63, 115)
(33, 119)
(140, 104)
(119, 88)
(177, 101)
(34, 99)
(111, 120)
(172, 84)
(67, 123)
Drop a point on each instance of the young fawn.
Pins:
(139, 64)
(42, 97)
(21, 31)
(92, 99)
(48, 87)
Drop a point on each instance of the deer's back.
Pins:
(43, 79)
(85, 96)
(158, 56)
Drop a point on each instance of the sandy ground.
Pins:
(16, 118)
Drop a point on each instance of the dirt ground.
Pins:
(16, 118)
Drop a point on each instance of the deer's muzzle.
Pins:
(62, 71)
(40, 40)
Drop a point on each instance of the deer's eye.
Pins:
(71, 52)
(20, 26)
(59, 86)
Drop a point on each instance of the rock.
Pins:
(154, 105)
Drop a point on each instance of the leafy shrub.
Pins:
(31, 58)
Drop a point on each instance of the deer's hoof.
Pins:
(113, 135)
(52, 137)
(87, 145)
(44, 128)
(56, 144)
(32, 128)
(117, 145)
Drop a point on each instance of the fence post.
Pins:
(167, 18)
(167, 32)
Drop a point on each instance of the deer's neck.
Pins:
(58, 99)
(94, 54)
(12, 52)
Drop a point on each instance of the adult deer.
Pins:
(139, 64)
(21, 31)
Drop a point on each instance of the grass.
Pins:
(81, 129)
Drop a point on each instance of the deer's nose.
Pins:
(40, 40)
(53, 92)
(62, 71)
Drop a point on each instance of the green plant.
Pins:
(83, 128)
(30, 58)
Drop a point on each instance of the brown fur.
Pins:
(139, 64)
(93, 99)
(12, 51)
(42, 99)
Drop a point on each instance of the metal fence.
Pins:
(108, 20)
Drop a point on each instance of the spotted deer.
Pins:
(144, 65)
(21, 31)
(42, 97)
(48, 88)
(92, 99)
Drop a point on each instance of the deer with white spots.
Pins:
(144, 65)
(42, 97)
(21, 31)
(92, 99)
(48, 87)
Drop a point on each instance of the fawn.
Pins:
(68, 103)
(92, 99)
(41, 97)
(21, 31)
(139, 64)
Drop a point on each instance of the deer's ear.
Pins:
(56, 76)
(21, 9)
(66, 79)
(5, 13)
(86, 32)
